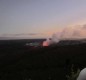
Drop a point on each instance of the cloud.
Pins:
(75, 32)
(21, 34)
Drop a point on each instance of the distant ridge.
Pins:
(6, 38)
(16, 38)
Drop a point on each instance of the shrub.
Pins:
(73, 75)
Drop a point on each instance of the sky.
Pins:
(39, 18)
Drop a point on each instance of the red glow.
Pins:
(45, 43)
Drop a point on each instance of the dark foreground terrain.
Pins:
(17, 62)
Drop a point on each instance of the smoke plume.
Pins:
(68, 33)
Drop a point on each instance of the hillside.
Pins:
(45, 63)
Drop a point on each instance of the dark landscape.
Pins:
(42, 39)
(19, 61)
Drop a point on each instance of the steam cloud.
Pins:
(68, 33)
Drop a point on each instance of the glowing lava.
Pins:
(45, 43)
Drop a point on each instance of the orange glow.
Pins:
(45, 43)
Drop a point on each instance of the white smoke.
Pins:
(68, 33)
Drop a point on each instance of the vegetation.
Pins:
(73, 75)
